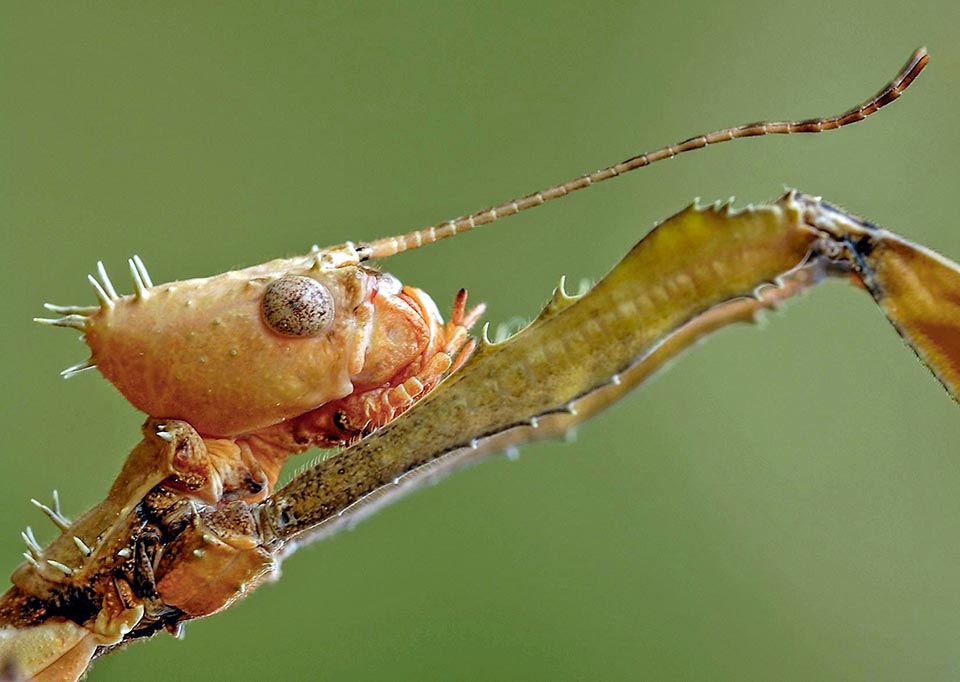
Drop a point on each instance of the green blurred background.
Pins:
(782, 504)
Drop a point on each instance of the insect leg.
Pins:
(917, 289)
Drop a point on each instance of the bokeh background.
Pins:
(781, 504)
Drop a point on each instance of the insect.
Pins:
(156, 553)
(322, 349)
(182, 534)
(154, 556)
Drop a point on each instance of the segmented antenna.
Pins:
(389, 246)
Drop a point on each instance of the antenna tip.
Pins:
(918, 60)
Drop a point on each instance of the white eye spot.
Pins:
(297, 306)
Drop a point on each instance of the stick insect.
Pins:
(322, 349)
(193, 522)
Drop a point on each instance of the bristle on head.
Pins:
(105, 301)
(71, 309)
(142, 269)
(80, 367)
(107, 284)
(71, 321)
(139, 286)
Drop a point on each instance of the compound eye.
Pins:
(297, 306)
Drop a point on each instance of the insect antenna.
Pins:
(389, 246)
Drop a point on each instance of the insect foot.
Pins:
(96, 585)
(215, 560)
(76, 595)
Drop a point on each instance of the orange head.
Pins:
(241, 351)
